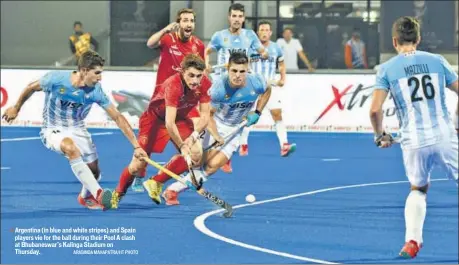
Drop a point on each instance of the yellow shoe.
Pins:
(154, 190)
(116, 198)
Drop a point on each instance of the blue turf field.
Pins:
(353, 223)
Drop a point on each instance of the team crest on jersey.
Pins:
(227, 96)
(225, 40)
(62, 90)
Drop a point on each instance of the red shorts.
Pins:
(153, 135)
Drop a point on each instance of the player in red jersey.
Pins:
(169, 117)
(175, 41)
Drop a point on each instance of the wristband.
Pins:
(258, 112)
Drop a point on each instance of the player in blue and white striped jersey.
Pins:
(417, 82)
(267, 67)
(228, 41)
(233, 39)
(232, 96)
(69, 97)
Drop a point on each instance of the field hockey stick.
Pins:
(206, 194)
(197, 184)
(230, 136)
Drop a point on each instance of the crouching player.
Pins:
(233, 96)
(170, 116)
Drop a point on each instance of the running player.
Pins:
(169, 117)
(230, 40)
(267, 68)
(174, 46)
(417, 82)
(233, 96)
(69, 98)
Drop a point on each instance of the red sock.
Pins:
(177, 164)
(126, 180)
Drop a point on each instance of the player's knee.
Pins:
(69, 148)
(213, 165)
(196, 154)
(276, 114)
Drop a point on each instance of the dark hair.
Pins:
(77, 23)
(265, 22)
(184, 11)
(238, 58)
(288, 28)
(90, 60)
(236, 7)
(406, 30)
(193, 60)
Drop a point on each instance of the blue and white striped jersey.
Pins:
(225, 43)
(233, 104)
(417, 82)
(267, 67)
(65, 105)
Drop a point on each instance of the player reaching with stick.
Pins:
(69, 98)
(233, 95)
(417, 81)
(169, 117)
(175, 41)
(228, 41)
(267, 68)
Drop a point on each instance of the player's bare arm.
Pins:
(155, 38)
(126, 128)
(283, 74)
(376, 117)
(204, 111)
(207, 54)
(12, 112)
(171, 115)
(212, 128)
(263, 99)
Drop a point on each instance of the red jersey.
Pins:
(174, 93)
(173, 50)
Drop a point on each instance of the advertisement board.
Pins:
(311, 102)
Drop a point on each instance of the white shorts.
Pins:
(420, 162)
(230, 146)
(52, 138)
(276, 98)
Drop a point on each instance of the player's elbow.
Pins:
(374, 112)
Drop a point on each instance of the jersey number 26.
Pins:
(425, 83)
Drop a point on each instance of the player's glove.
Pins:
(384, 140)
(253, 117)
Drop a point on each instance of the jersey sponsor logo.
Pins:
(231, 51)
(241, 105)
(70, 104)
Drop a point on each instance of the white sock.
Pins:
(245, 136)
(85, 192)
(85, 176)
(179, 187)
(415, 214)
(281, 132)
